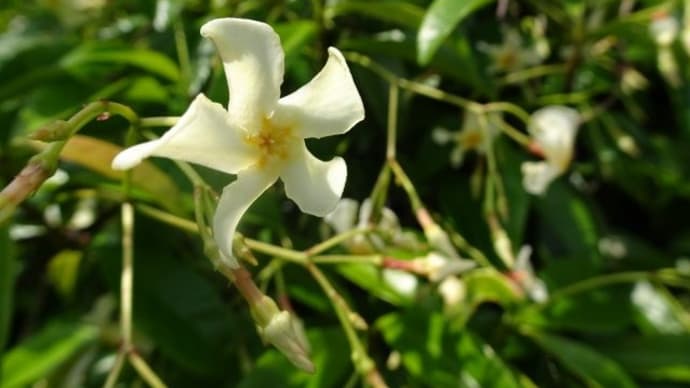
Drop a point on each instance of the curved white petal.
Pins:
(343, 217)
(536, 176)
(203, 135)
(328, 105)
(554, 128)
(314, 185)
(254, 63)
(233, 203)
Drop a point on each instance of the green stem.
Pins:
(163, 121)
(127, 275)
(508, 108)
(273, 250)
(406, 183)
(422, 89)
(353, 259)
(145, 371)
(360, 358)
(392, 126)
(333, 241)
(115, 370)
(532, 72)
(601, 281)
(167, 218)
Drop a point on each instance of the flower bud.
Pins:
(287, 335)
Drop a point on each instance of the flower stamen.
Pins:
(272, 142)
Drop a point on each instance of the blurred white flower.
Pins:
(348, 214)
(452, 290)
(512, 54)
(402, 282)
(664, 29)
(553, 128)
(260, 137)
(437, 267)
(523, 274)
(473, 135)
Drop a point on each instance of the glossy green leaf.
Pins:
(437, 357)
(568, 225)
(595, 369)
(144, 59)
(656, 357)
(172, 298)
(63, 271)
(392, 11)
(602, 311)
(484, 285)
(44, 351)
(439, 21)
(376, 282)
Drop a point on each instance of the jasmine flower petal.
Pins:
(328, 105)
(203, 135)
(314, 185)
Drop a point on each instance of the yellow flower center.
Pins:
(272, 142)
(472, 139)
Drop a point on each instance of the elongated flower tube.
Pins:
(553, 128)
(260, 137)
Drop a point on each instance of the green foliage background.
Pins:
(610, 237)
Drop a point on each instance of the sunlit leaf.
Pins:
(44, 351)
(148, 60)
(439, 21)
(63, 270)
(393, 11)
(97, 155)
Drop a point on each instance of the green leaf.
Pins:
(295, 36)
(6, 286)
(440, 20)
(373, 280)
(483, 285)
(658, 357)
(63, 270)
(595, 369)
(148, 60)
(97, 155)
(601, 311)
(392, 11)
(568, 225)
(433, 355)
(46, 350)
(175, 306)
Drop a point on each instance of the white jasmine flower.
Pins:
(512, 54)
(260, 137)
(404, 283)
(348, 214)
(452, 290)
(523, 275)
(553, 128)
(472, 136)
(664, 29)
(438, 267)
